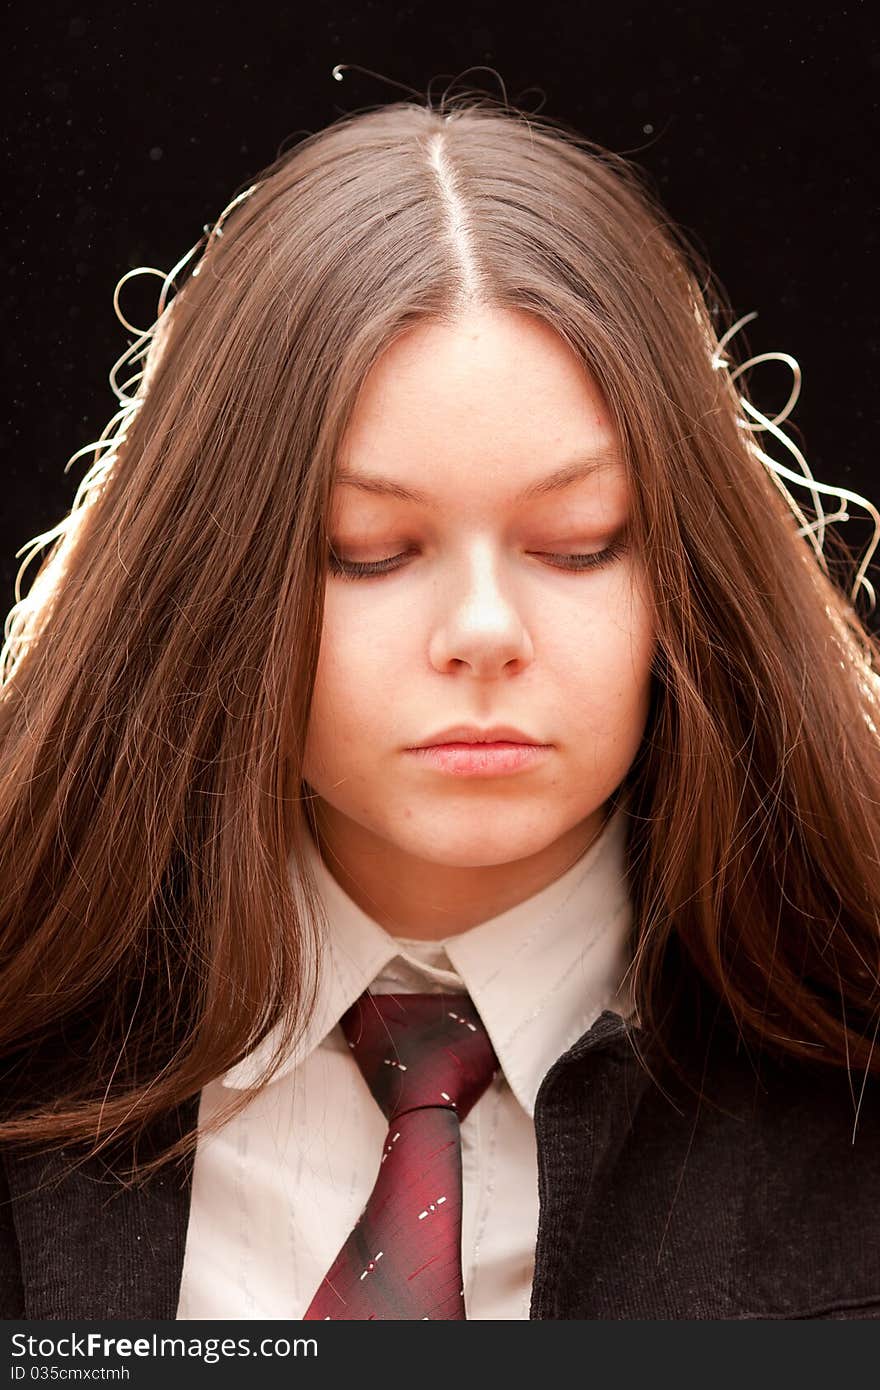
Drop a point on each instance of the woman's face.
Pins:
(482, 623)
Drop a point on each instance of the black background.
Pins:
(129, 126)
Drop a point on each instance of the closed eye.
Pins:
(374, 569)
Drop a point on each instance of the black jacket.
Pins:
(756, 1203)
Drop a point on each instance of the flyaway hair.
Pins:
(157, 918)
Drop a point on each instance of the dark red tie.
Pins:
(427, 1059)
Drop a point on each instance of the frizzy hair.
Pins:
(157, 917)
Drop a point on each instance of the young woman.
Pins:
(438, 444)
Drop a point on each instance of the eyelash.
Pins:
(375, 569)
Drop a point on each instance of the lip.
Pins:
(471, 733)
(478, 759)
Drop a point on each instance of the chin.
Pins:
(465, 848)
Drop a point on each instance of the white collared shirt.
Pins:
(277, 1190)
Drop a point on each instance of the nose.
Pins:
(478, 622)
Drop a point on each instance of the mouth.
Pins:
(470, 734)
(480, 759)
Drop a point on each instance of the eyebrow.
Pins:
(571, 472)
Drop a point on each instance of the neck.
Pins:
(416, 897)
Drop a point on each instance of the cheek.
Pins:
(341, 643)
(353, 682)
(367, 640)
(605, 650)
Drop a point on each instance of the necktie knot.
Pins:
(418, 1050)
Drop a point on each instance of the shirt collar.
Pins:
(539, 974)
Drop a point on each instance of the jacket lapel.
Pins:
(77, 1230)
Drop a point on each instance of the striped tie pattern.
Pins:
(427, 1059)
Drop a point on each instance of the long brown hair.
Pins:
(157, 917)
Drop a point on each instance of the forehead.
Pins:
(495, 402)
